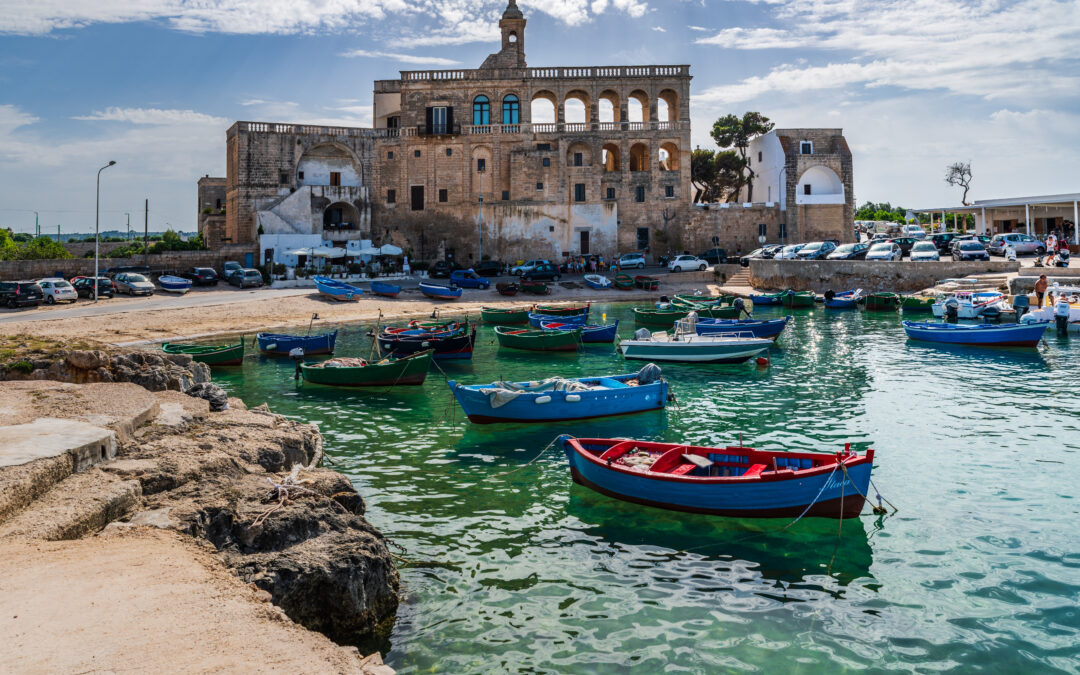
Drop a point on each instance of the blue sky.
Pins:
(154, 84)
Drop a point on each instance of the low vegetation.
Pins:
(16, 247)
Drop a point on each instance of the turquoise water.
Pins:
(980, 568)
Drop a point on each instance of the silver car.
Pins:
(133, 284)
(924, 250)
(1023, 243)
(885, 251)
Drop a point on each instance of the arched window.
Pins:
(511, 110)
(481, 111)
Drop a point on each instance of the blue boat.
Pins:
(445, 346)
(761, 299)
(281, 344)
(589, 333)
(764, 328)
(438, 292)
(338, 290)
(731, 481)
(538, 320)
(844, 300)
(558, 399)
(1001, 335)
(597, 281)
(385, 290)
(174, 284)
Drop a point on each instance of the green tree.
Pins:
(717, 175)
(42, 248)
(8, 248)
(732, 131)
(21, 237)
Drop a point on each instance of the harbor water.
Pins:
(513, 568)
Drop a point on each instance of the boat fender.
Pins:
(271, 347)
(762, 361)
(543, 399)
(573, 398)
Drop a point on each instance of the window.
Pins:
(579, 192)
(481, 165)
(390, 154)
(335, 179)
(444, 195)
(547, 161)
(611, 193)
(481, 111)
(511, 110)
(761, 229)
(391, 196)
(283, 178)
(417, 198)
(639, 193)
(393, 122)
(506, 195)
(783, 230)
(642, 238)
(543, 146)
(578, 159)
(759, 158)
(669, 191)
(539, 186)
(806, 189)
(440, 120)
(299, 176)
(806, 148)
(449, 152)
(415, 153)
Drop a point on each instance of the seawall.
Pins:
(905, 276)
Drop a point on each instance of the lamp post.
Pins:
(97, 227)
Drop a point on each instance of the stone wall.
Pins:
(823, 275)
(173, 261)
(735, 227)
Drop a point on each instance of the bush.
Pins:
(24, 367)
(356, 269)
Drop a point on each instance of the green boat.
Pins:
(538, 340)
(718, 312)
(882, 302)
(343, 372)
(623, 282)
(799, 299)
(504, 317)
(211, 355)
(661, 317)
(705, 299)
(646, 282)
(912, 304)
(534, 287)
(561, 310)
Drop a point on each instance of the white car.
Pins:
(58, 290)
(914, 231)
(631, 260)
(789, 252)
(885, 251)
(924, 250)
(681, 263)
(527, 267)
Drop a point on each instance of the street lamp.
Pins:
(97, 227)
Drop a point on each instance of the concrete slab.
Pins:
(50, 437)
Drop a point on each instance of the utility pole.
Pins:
(129, 225)
(37, 227)
(58, 233)
(146, 234)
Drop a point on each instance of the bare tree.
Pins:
(959, 173)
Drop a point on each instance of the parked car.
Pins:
(879, 237)
(542, 271)
(714, 256)
(885, 250)
(815, 250)
(769, 251)
(121, 269)
(133, 284)
(756, 253)
(850, 251)
(20, 294)
(1023, 243)
(788, 252)
(201, 276)
(247, 277)
(231, 267)
(905, 243)
(468, 279)
(923, 251)
(943, 241)
(528, 266)
(682, 263)
(632, 260)
(442, 269)
(57, 290)
(970, 249)
(489, 268)
(86, 288)
(914, 231)
(981, 238)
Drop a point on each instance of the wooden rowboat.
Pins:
(911, 304)
(623, 282)
(538, 340)
(646, 282)
(211, 355)
(660, 317)
(437, 292)
(799, 299)
(882, 302)
(278, 344)
(509, 290)
(561, 310)
(988, 335)
(338, 290)
(534, 287)
(504, 317)
(407, 370)
(385, 290)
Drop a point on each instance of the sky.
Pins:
(155, 84)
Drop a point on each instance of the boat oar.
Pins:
(375, 338)
(313, 318)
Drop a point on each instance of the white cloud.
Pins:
(659, 29)
(151, 116)
(403, 58)
(698, 28)
(750, 38)
(480, 30)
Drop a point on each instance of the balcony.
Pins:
(568, 73)
(571, 127)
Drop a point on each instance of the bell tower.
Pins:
(512, 54)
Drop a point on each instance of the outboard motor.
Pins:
(830, 294)
(740, 305)
(297, 355)
(1062, 259)
(952, 310)
(1021, 304)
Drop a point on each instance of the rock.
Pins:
(184, 360)
(88, 359)
(217, 397)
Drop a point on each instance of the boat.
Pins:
(453, 346)
(799, 299)
(595, 333)
(687, 346)
(765, 328)
(537, 320)
(558, 399)
(281, 345)
(843, 300)
(211, 355)
(534, 287)
(384, 289)
(646, 282)
(1000, 335)
(732, 481)
(437, 292)
(174, 284)
(705, 299)
(623, 282)
(760, 299)
(597, 281)
(418, 329)
(356, 372)
(561, 310)
(504, 317)
(538, 340)
(509, 290)
(913, 304)
(971, 305)
(660, 317)
(338, 290)
(882, 302)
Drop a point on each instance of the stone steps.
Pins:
(81, 504)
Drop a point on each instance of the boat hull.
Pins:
(436, 292)
(273, 344)
(538, 320)
(337, 290)
(793, 299)
(1005, 335)
(597, 282)
(385, 290)
(211, 355)
(445, 348)
(539, 340)
(504, 317)
(690, 352)
(589, 334)
(551, 310)
(882, 302)
(767, 299)
(411, 370)
(174, 284)
(770, 329)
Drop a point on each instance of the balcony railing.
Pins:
(568, 73)
(571, 127)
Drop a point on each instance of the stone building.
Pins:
(212, 196)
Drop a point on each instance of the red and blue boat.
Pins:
(987, 335)
(599, 333)
(457, 344)
(575, 321)
(732, 481)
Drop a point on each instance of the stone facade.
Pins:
(172, 261)
(736, 228)
(212, 197)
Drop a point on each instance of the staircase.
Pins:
(740, 279)
(975, 282)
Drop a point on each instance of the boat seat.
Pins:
(755, 470)
(683, 469)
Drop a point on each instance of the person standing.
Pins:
(1040, 289)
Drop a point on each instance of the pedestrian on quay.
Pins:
(1040, 289)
